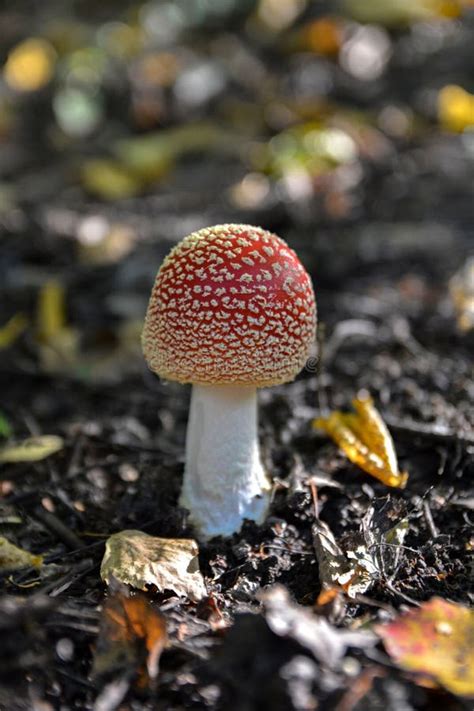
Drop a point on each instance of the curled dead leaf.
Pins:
(137, 559)
(132, 637)
(365, 440)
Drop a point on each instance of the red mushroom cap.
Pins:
(231, 304)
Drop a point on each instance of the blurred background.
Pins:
(345, 126)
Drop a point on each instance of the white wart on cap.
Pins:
(231, 304)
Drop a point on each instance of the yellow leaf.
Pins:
(51, 311)
(365, 440)
(437, 641)
(12, 330)
(395, 13)
(455, 108)
(33, 449)
(58, 343)
(12, 557)
(109, 179)
(30, 65)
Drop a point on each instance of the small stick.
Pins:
(410, 600)
(314, 495)
(53, 523)
(75, 457)
(359, 688)
(429, 519)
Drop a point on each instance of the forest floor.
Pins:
(381, 267)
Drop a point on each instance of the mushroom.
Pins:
(232, 310)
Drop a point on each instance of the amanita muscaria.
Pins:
(232, 310)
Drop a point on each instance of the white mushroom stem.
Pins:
(224, 480)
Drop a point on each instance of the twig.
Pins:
(55, 525)
(76, 679)
(388, 584)
(78, 626)
(314, 494)
(358, 689)
(429, 519)
(59, 586)
(75, 456)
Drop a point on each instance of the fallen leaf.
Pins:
(12, 330)
(108, 179)
(149, 157)
(30, 65)
(332, 562)
(132, 634)
(365, 440)
(5, 427)
(455, 108)
(13, 557)
(51, 317)
(58, 342)
(399, 13)
(33, 449)
(137, 559)
(435, 640)
(375, 547)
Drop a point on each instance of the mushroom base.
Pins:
(224, 480)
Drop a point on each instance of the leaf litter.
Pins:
(369, 555)
(32, 449)
(13, 557)
(365, 440)
(140, 560)
(131, 638)
(435, 641)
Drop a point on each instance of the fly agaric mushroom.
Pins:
(232, 310)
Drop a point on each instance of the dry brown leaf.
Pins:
(435, 640)
(354, 571)
(132, 635)
(137, 559)
(365, 440)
